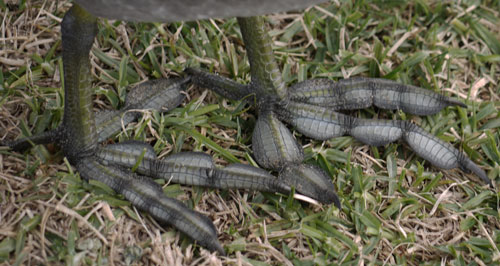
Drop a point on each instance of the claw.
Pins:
(467, 165)
(310, 181)
(440, 153)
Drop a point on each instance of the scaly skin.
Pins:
(310, 107)
(156, 94)
(80, 134)
(79, 138)
(190, 168)
(266, 75)
(358, 93)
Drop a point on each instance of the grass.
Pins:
(396, 209)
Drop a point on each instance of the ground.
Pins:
(396, 209)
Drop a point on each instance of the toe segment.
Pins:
(148, 196)
(22, 144)
(358, 93)
(159, 94)
(190, 168)
(322, 123)
(316, 122)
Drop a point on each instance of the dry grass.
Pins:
(48, 215)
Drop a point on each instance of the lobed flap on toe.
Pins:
(273, 144)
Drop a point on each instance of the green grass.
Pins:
(396, 209)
